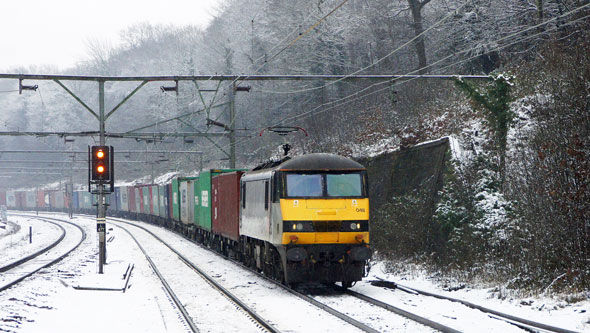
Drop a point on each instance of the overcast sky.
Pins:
(56, 32)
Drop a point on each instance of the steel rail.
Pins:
(503, 316)
(306, 298)
(35, 254)
(207, 278)
(54, 261)
(401, 312)
(412, 316)
(525, 324)
(169, 290)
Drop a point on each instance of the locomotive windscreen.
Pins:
(304, 185)
(323, 185)
(344, 185)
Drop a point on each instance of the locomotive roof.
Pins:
(321, 161)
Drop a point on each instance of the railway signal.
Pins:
(101, 162)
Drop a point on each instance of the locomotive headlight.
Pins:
(298, 226)
(354, 226)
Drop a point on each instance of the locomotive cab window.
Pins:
(325, 185)
(344, 185)
(304, 185)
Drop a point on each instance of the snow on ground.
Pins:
(144, 307)
(548, 309)
(49, 303)
(14, 239)
(280, 308)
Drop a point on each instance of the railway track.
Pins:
(259, 322)
(24, 259)
(17, 271)
(523, 323)
(516, 323)
(385, 315)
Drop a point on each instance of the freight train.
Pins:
(298, 220)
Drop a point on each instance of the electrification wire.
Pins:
(317, 23)
(396, 50)
(310, 113)
(307, 31)
(454, 55)
(232, 121)
(414, 71)
(280, 42)
(377, 61)
(41, 97)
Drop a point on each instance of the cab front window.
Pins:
(324, 185)
(304, 185)
(344, 185)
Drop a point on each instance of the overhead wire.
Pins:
(232, 121)
(353, 73)
(420, 35)
(307, 115)
(436, 24)
(386, 82)
(310, 113)
(454, 55)
(321, 20)
(307, 31)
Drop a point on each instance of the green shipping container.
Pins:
(203, 196)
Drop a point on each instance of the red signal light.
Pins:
(101, 168)
(101, 164)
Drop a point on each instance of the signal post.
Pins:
(101, 173)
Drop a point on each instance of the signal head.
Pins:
(100, 164)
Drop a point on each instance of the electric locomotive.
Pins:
(307, 219)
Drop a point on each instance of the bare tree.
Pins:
(416, 7)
